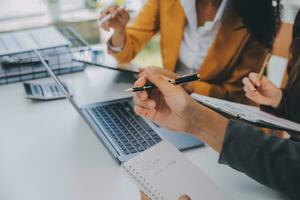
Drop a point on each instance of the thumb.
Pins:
(161, 83)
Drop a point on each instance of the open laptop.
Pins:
(122, 132)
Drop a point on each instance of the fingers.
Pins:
(123, 16)
(141, 98)
(260, 91)
(251, 83)
(250, 88)
(250, 91)
(253, 77)
(144, 196)
(116, 13)
(143, 112)
(163, 85)
(113, 9)
(259, 98)
(256, 96)
(123, 13)
(105, 26)
(145, 104)
(109, 10)
(140, 83)
(248, 85)
(184, 197)
(144, 71)
(265, 82)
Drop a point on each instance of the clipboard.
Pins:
(249, 114)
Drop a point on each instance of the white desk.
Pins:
(47, 151)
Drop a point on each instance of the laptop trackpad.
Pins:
(181, 140)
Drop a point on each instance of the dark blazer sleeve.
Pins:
(282, 110)
(270, 160)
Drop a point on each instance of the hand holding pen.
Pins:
(181, 80)
(260, 89)
(253, 82)
(114, 17)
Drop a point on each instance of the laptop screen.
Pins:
(95, 85)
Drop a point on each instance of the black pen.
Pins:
(178, 81)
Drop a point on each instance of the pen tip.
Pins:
(129, 90)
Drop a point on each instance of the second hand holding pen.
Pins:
(178, 81)
(109, 16)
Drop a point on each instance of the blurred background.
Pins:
(82, 16)
(79, 14)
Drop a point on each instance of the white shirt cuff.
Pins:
(113, 48)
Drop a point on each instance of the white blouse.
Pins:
(196, 40)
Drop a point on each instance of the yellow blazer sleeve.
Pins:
(250, 60)
(140, 31)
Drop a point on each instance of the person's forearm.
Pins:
(118, 38)
(209, 126)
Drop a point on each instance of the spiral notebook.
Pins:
(164, 173)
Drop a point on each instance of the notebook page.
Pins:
(165, 173)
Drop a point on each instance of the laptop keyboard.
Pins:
(124, 127)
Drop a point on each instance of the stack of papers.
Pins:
(18, 62)
(27, 40)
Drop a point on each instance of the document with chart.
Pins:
(251, 114)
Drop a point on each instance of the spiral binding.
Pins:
(145, 185)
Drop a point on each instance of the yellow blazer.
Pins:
(233, 55)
